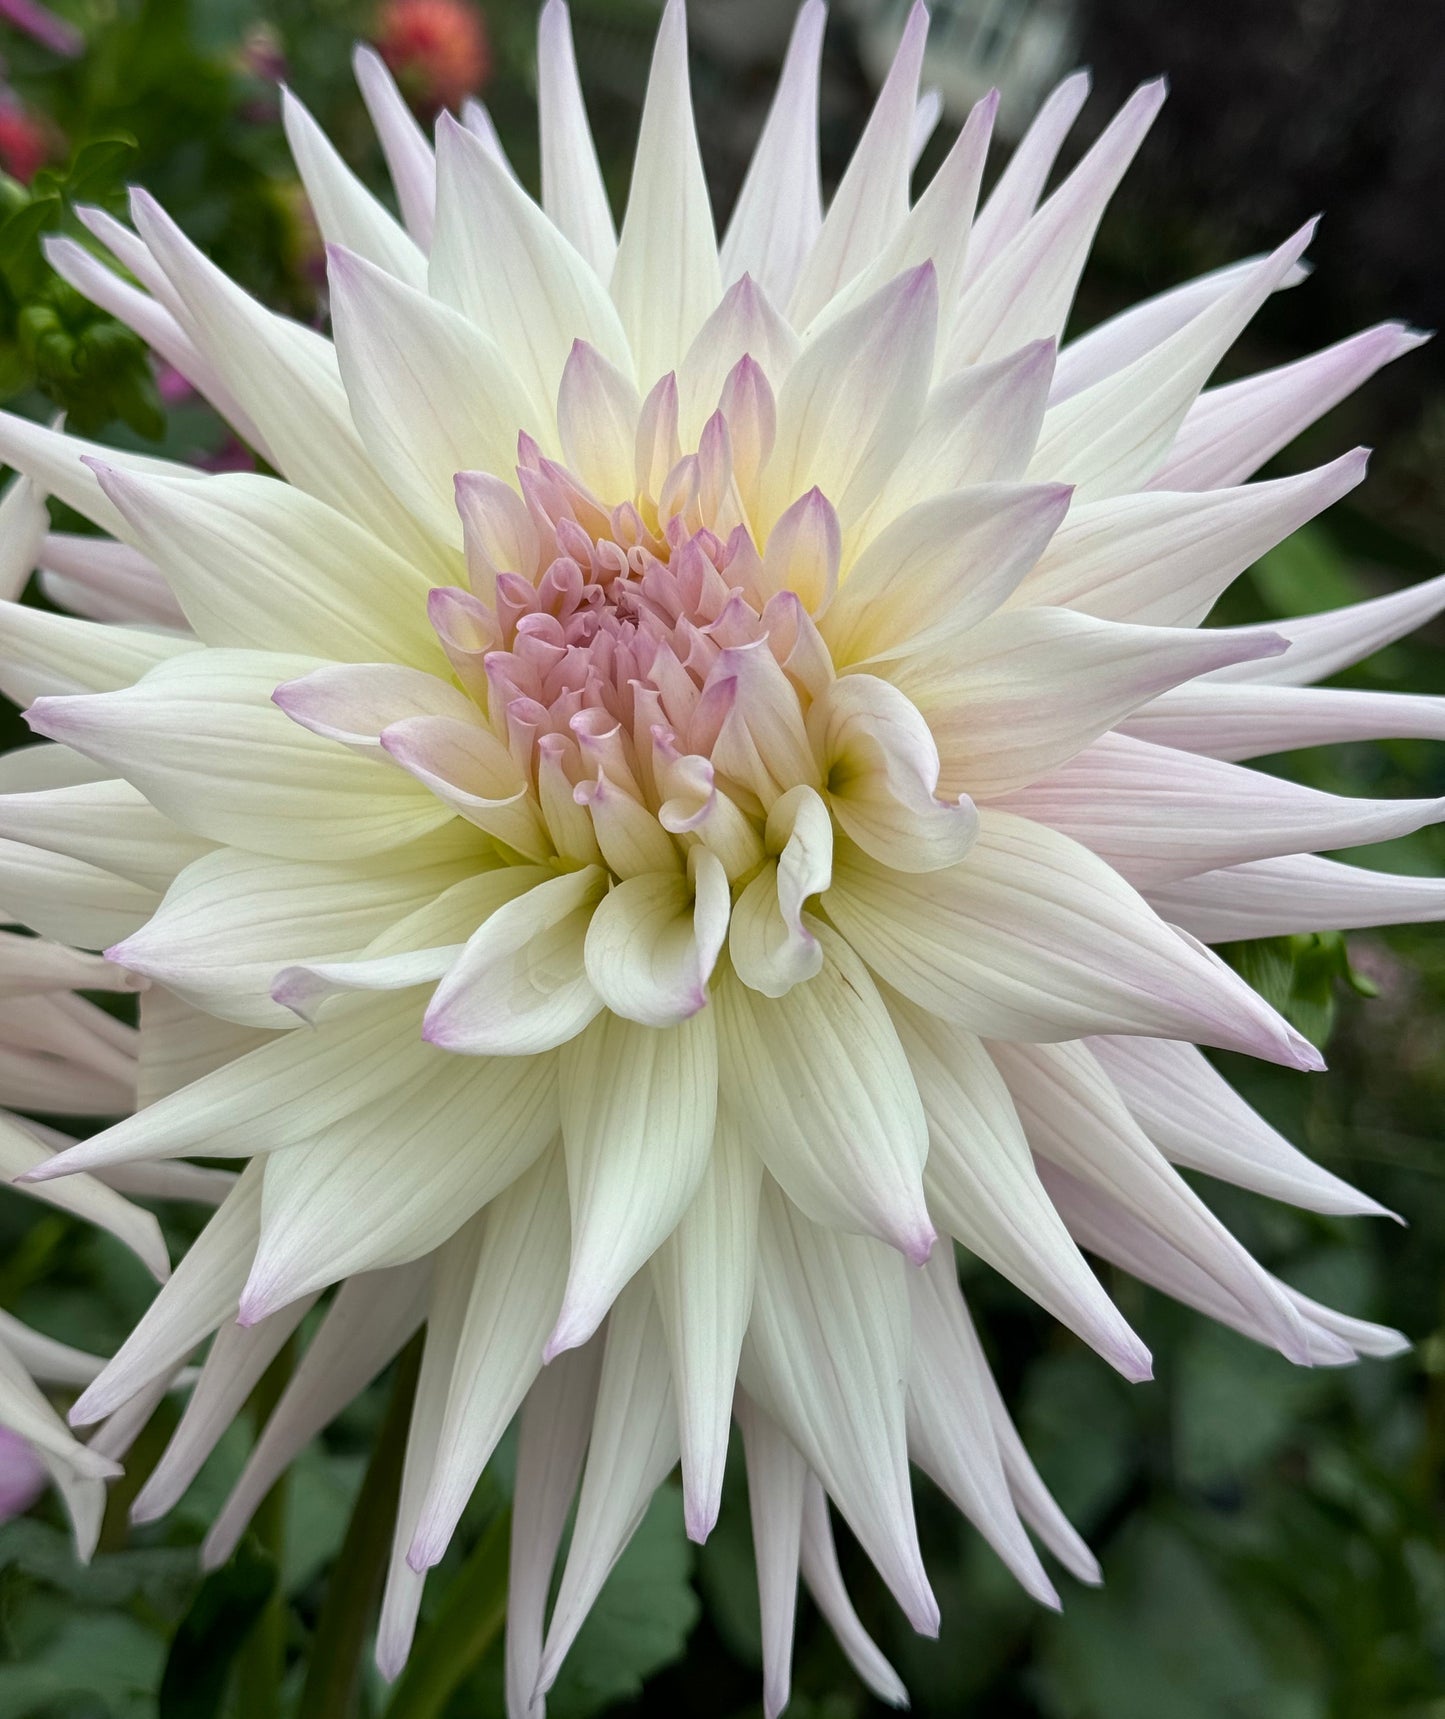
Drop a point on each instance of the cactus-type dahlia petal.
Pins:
(698, 785)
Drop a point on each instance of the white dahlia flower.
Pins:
(699, 784)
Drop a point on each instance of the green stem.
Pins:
(333, 1675)
(261, 1663)
(469, 1621)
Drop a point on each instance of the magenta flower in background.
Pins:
(43, 26)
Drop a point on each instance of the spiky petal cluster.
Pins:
(717, 743)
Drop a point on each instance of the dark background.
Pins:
(1271, 1538)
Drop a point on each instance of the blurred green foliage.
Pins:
(1273, 1540)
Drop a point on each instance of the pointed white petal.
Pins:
(1026, 689)
(394, 1182)
(827, 1357)
(632, 1449)
(551, 1443)
(200, 737)
(703, 1278)
(824, 1091)
(825, 1583)
(666, 278)
(499, 261)
(1197, 1120)
(639, 1105)
(940, 568)
(85, 1197)
(777, 1477)
(1232, 430)
(230, 547)
(409, 157)
(509, 1305)
(1156, 814)
(346, 212)
(779, 212)
(430, 394)
(573, 193)
(654, 940)
(984, 1190)
(1075, 1118)
(950, 1431)
(364, 1327)
(871, 201)
(1032, 937)
(1015, 197)
(201, 1295)
(1279, 897)
(1163, 558)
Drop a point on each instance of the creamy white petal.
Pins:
(201, 1295)
(1116, 435)
(825, 1583)
(200, 737)
(573, 193)
(508, 1306)
(777, 1478)
(521, 985)
(231, 921)
(827, 1357)
(1197, 1120)
(1230, 431)
(666, 277)
(632, 1449)
(1241, 721)
(399, 1179)
(702, 1275)
(984, 1190)
(940, 567)
(430, 394)
(551, 1444)
(1162, 558)
(639, 1105)
(230, 548)
(871, 201)
(779, 212)
(499, 260)
(1026, 689)
(950, 1432)
(86, 1198)
(823, 1090)
(346, 212)
(1156, 814)
(1024, 293)
(1075, 1118)
(106, 824)
(409, 157)
(364, 1327)
(1032, 937)
(42, 654)
(1279, 897)
(1015, 197)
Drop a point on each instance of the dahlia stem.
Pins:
(261, 1664)
(470, 1619)
(334, 1672)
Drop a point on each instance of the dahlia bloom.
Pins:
(698, 786)
(61, 1054)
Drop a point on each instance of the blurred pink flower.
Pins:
(24, 145)
(438, 49)
(22, 1474)
(42, 25)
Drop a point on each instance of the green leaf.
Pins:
(97, 165)
(641, 1621)
(227, 1604)
(109, 1659)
